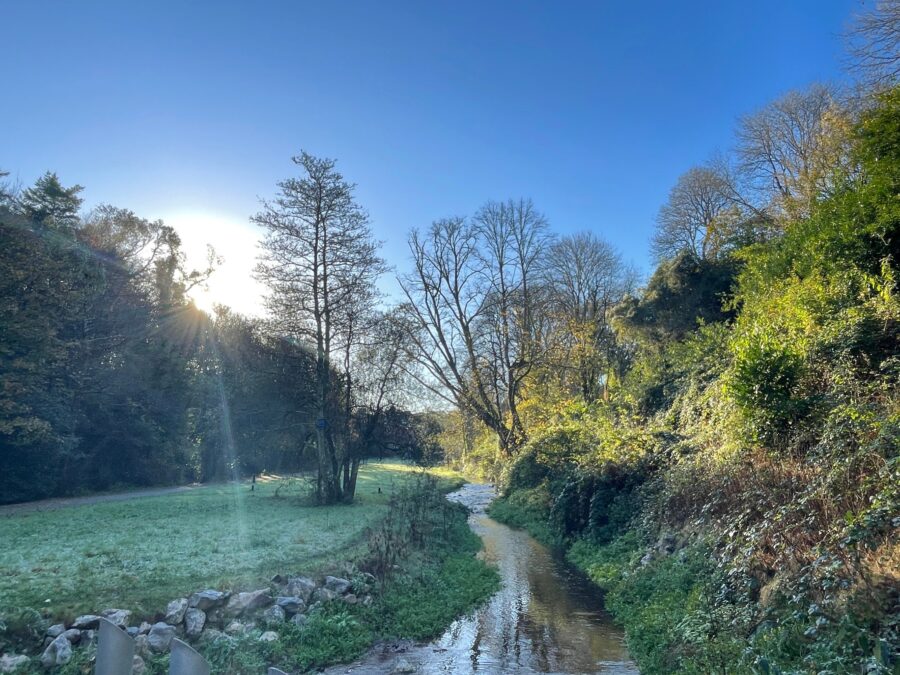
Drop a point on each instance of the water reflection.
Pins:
(545, 619)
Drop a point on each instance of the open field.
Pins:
(140, 554)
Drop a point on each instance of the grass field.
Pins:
(140, 554)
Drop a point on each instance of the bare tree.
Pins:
(585, 277)
(380, 367)
(472, 303)
(698, 207)
(790, 150)
(320, 260)
(875, 44)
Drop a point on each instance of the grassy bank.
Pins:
(428, 575)
(435, 579)
(659, 601)
(140, 554)
(685, 609)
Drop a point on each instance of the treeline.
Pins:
(733, 478)
(111, 377)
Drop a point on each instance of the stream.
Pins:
(546, 618)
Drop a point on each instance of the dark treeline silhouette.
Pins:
(111, 377)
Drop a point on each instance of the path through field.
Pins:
(64, 502)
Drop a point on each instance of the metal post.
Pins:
(115, 650)
(185, 661)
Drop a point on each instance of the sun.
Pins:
(236, 243)
(204, 298)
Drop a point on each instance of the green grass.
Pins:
(439, 579)
(527, 510)
(140, 554)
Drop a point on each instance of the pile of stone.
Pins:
(206, 615)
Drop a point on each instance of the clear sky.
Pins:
(190, 111)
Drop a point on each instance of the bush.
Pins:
(763, 383)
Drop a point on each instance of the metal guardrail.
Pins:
(184, 660)
(115, 650)
(115, 655)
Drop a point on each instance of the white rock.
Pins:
(56, 630)
(160, 637)
(274, 614)
(86, 621)
(292, 604)
(268, 636)
(175, 611)
(142, 645)
(212, 635)
(194, 620)
(120, 617)
(337, 585)
(234, 628)
(207, 599)
(323, 595)
(302, 587)
(138, 666)
(58, 653)
(244, 602)
(73, 635)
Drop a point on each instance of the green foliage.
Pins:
(110, 377)
(331, 635)
(527, 509)
(420, 603)
(738, 495)
(50, 204)
(765, 376)
(428, 539)
(673, 619)
(682, 293)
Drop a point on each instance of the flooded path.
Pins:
(546, 618)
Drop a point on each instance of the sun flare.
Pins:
(236, 244)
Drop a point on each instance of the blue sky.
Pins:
(190, 111)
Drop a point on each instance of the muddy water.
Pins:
(546, 618)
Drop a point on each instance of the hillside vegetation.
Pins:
(737, 492)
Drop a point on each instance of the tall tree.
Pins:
(791, 148)
(473, 301)
(256, 399)
(698, 208)
(319, 259)
(7, 190)
(45, 281)
(379, 365)
(48, 203)
(586, 278)
(875, 44)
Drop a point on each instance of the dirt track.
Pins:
(64, 502)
